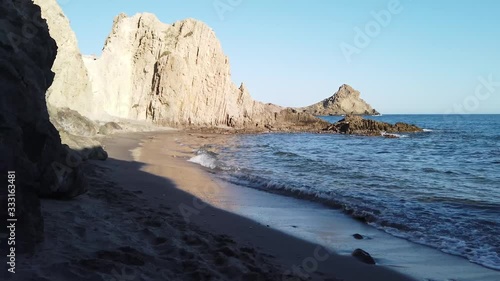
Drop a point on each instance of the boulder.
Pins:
(72, 122)
(363, 256)
(109, 128)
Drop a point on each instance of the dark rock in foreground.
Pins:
(363, 256)
(30, 146)
(358, 125)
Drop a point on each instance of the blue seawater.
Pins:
(439, 188)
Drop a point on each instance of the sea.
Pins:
(439, 188)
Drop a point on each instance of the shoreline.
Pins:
(168, 159)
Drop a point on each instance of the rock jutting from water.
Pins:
(345, 101)
(352, 124)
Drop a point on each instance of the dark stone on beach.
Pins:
(358, 236)
(363, 256)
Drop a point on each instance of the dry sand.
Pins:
(140, 221)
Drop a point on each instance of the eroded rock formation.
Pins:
(174, 75)
(345, 101)
(29, 143)
(71, 86)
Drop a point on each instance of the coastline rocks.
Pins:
(32, 143)
(292, 120)
(345, 101)
(358, 125)
(363, 256)
(177, 75)
(166, 74)
(170, 74)
(71, 86)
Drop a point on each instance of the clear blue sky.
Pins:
(426, 59)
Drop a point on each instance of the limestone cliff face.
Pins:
(71, 86)
(345, 101)
(172, 75)
(29, 143)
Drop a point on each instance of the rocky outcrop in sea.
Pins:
(353, 124)
(346, 100)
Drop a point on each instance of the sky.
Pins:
(404, 56)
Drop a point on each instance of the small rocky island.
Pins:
(345, 101)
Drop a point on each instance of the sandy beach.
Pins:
(139, 221)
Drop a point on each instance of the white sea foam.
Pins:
(394, 135)
(205, 160)
(428, 130)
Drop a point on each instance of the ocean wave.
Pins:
(208, 159)
(427, 130)
(204, 160)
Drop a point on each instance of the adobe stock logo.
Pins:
(221, 7)
(363, 36)
(483, 91)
